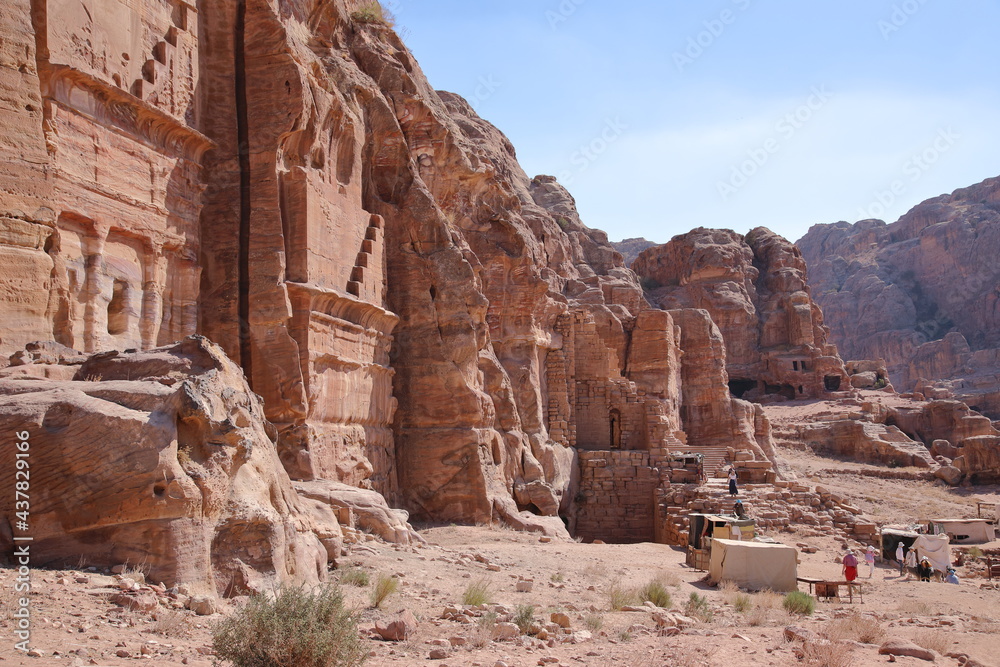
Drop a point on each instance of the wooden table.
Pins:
(831, 589)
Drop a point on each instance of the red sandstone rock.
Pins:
(159, 458)
(755, 290)
(920, 293)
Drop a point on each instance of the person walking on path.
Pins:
(732, 482)
(850, 568)
(870, 560)
(900, 558)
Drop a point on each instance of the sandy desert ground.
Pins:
(74, 622)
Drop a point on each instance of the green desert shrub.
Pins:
(478, 592)
(656, 593)
(297, 627)
(799, 603)
(354, 576)
(524, 616)
(697, 607)
(373, 12)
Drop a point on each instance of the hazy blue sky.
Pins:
(663, 115)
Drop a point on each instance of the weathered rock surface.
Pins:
(755, 290)
(420, 317)
(631, 248)
(921, 293)
(161, 459)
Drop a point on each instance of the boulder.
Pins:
(904, 647)
(397, 628)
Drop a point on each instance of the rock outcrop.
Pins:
(922, 293)
(420, 318)
(162, 460)
(755, 290)
(631, 248)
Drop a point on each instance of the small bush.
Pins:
(170, 623)
(816, 654)
(524, 616)
(354, 576)
(757, 617)
(624, 636)
(296, 628)
(975, 552)
(934, 641)
(482, 635)
(619, 596)
(373, 12)
(697, 607)
(593, 622)
(478, 592)
(856, 628)
(558, 577)
(385, 585)
(656, 593)
(799, 603)
(742, 603)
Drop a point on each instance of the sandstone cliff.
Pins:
(630, 248)
(754, 289)
(420, 317)
(922, 293)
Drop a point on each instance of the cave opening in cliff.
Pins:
(786, 390)
(739, 387)
(832, 382)
(117, 310)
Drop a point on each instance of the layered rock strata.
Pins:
(420, 318)
(755, 291)
(921, 293)
(162, 460)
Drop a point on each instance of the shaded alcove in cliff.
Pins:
(739, 387)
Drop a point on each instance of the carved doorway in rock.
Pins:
(615, 419)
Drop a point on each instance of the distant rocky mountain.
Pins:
(630, 248)
(923, 293)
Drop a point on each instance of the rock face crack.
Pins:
(243, 138)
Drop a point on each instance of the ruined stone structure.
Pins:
(755, 291)
(203, 203)
(921, 293)
(420, 318)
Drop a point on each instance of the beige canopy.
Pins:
(754, 565)
(964, 531)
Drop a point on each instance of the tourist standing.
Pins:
(850, 566)
(733, 491)
(870, 560)
(900, 558)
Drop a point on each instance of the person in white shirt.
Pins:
(900, 558)
(870, 560)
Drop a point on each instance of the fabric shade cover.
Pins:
(754, 565)
(934, 548)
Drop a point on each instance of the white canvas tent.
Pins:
(754, 565)
(964, 531)
(936, 549)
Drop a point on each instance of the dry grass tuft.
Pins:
(479, 591)
(857, 628)
(934, 640)
(620, 596)
(914, 607)
(171, 623)
(827, 654)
